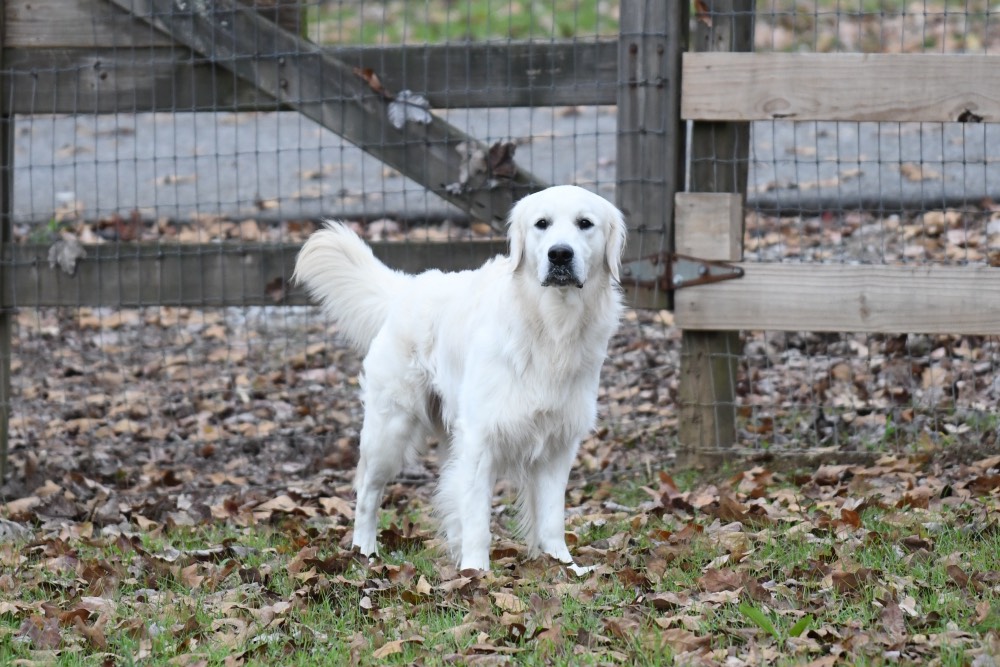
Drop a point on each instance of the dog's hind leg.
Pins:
(386, 441)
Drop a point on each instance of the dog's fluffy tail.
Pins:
(339, 271)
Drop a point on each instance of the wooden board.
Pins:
(331, 92)
(209, 276)
(706, 394)
(651, 136)
(115, 80)
(877, 299)
(841, 86)
(82, 81)
(99, 24)
(709, 225)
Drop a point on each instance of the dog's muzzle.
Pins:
(561, 272)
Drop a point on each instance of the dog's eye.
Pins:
(542, 224)
(584, 223)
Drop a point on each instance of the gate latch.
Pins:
(670, 271)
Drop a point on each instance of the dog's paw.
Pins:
(365, 547)
(580, 570)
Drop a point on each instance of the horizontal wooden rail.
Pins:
(929, 87)
(863, 298)
(115, 80)
(211, 275)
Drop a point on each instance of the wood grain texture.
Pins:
(6, 237)
(99, 24)
(330, 92)
(929, 87)
(709, 225)
(211, 275)
(651, 136)
(876, 299)
(165, 78)
(718, 164)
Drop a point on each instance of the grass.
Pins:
(438, 21)
(284, 591)
(397, 21)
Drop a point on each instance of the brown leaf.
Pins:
(715, 580)
(851, 582)
(893, 623)
(42, 633)
(94, 634)
(829, 475)
(368, 75)
(507, 601)
(730, 509)
(334, 505)
(189, 576)
(850, 517)
(500, 161)
(622, 628)
(400, 574)
(682, 641)
(544, 610)
(915, 543)
(702, 13)
(633, 579)
(70, 617)
(401, 538)
(961, 579)
(388, 648)
(984, 484)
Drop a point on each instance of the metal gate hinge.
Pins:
(670, 271)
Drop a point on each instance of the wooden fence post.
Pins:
(651, 138)
(719, 154)
(6, 208)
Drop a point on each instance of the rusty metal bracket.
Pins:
(670, 271)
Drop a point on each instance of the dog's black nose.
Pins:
(560, 255)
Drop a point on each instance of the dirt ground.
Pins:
(170, 409)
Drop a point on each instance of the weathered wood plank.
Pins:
(6, 236)
(71, 81)
(719, 158)
(651, 136)
(455, 76)
(328, 90)
(208, 276)
(708, 220)
(925, 87)
(97, 23)
(113, 80)
(876, 299)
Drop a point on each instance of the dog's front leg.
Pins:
(477, 477)
(548, 489)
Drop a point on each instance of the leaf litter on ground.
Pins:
(894, 561)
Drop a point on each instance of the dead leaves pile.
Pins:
(896, 561)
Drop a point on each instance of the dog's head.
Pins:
(565, 235)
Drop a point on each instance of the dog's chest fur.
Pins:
(532, 388)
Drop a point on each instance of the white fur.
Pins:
(503, 370)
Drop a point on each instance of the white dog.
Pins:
(501, 364)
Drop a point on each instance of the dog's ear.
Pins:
(515, 235)
(615, 246)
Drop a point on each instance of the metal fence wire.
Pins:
(131, 149)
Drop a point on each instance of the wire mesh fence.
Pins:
(181, 154)
(881, 193)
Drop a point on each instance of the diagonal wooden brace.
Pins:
(300, 75)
